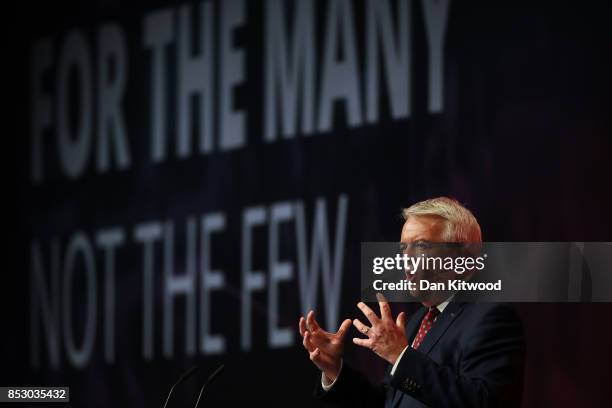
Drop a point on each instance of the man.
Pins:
(449, 354)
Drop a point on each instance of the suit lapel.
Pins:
(442, 323)
(411, 330)
(414, 323)
(440, 326)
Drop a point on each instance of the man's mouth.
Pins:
(410, 276)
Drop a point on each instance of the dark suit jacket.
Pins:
(472, 356)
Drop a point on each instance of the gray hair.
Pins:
(461, 225)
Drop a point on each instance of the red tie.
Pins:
(426, 323)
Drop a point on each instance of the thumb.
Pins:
(344, 327)
(401, 320)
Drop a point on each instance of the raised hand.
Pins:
(325, 348)
(386, 337)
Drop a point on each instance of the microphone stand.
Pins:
(182, 378)
(208, 381)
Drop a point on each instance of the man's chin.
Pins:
(428, 298)
(420, 295)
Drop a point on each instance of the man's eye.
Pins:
(421, 245)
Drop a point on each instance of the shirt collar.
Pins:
(443, 305)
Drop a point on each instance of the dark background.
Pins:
(524, 141)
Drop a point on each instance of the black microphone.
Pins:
(214, 375)
(182, 378)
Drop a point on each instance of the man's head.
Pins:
(445, 218)
(437, 221)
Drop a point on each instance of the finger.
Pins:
(311, 323)
(385, 309)
(315, 354)
(362, 342)
(343, 328)
(401, 320)
(307, 343)
(369, 313)
(302, 326)
(361, 327)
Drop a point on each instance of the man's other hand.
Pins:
(325, 348)
(386, 337)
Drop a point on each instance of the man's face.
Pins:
(418, 231)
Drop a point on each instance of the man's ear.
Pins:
(469, 273)
(473, 249)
